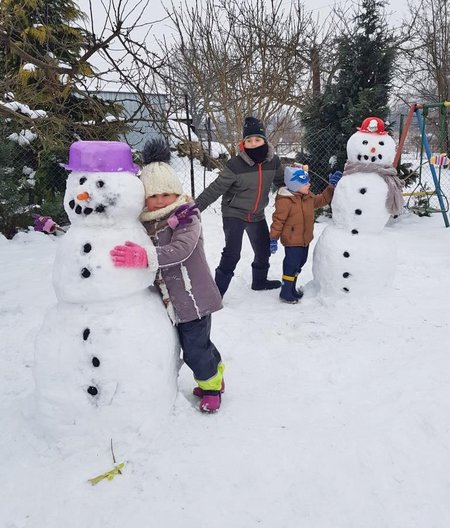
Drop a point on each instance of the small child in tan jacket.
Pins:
(293, 222)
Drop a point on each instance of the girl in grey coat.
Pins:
(184, 280)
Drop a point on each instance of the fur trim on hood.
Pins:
(147, 216)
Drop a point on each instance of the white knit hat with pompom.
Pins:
(157, 175)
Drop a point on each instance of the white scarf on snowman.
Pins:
(394, 199)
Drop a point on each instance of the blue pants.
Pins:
(258, 234)
(199, 353)
(294, 259)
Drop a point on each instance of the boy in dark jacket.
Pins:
(244, 185)
(187, 288)
(293, 222)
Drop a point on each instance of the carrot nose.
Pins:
(373, 149)
(83, 196)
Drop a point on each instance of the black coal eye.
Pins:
(380, 142)
(365, 142)
(100, 183)
(82, 180)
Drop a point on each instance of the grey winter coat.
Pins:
(184, 279)
(244, 186)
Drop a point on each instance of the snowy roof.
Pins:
(180, 131)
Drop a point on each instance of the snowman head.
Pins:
(103, 188)
(371, 144)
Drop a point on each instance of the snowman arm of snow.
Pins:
(130, 255)
(279, 217)
(218, 187)
(324, 198)
(183, 243)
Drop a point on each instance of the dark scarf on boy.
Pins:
(258, 154)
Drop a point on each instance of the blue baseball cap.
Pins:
(296, 176)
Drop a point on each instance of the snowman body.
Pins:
(344, 264)
(107, 355)
(354, 255)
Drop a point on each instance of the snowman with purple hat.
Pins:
(107, 356)
(355, 255)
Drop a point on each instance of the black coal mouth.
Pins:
(78, 209)
(366, 157)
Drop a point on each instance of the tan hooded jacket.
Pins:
(293, 219)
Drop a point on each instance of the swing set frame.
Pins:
(420, 111)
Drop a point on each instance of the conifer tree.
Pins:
(361, 88)
(44, 67)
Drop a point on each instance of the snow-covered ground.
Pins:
(336, 412)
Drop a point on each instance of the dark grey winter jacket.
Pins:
(184, 279)
(244, 186)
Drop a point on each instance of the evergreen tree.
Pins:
(15, 185)
(365, 64)
(44, 66)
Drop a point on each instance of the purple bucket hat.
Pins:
(101, 156)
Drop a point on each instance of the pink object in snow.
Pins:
(44, 224)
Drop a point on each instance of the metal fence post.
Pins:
(188, 119)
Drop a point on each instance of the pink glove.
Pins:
(44, 224)
(130, 255)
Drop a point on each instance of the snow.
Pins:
(216, 149)
(357, 265)
(31, 174)
(348, 198)
(24, 137)
(23, 108)
(336, 413)
(179, 130)
(29, 67)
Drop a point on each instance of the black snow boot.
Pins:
(287, 291)
(260, 281)
(222, 280)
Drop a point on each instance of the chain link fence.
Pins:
(29, 185)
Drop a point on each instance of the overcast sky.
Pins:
(395, 8)
(156, 14)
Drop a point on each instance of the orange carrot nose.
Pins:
(373, 149)
(83, 196)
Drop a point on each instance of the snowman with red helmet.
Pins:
(106, 359)
(354, 255)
